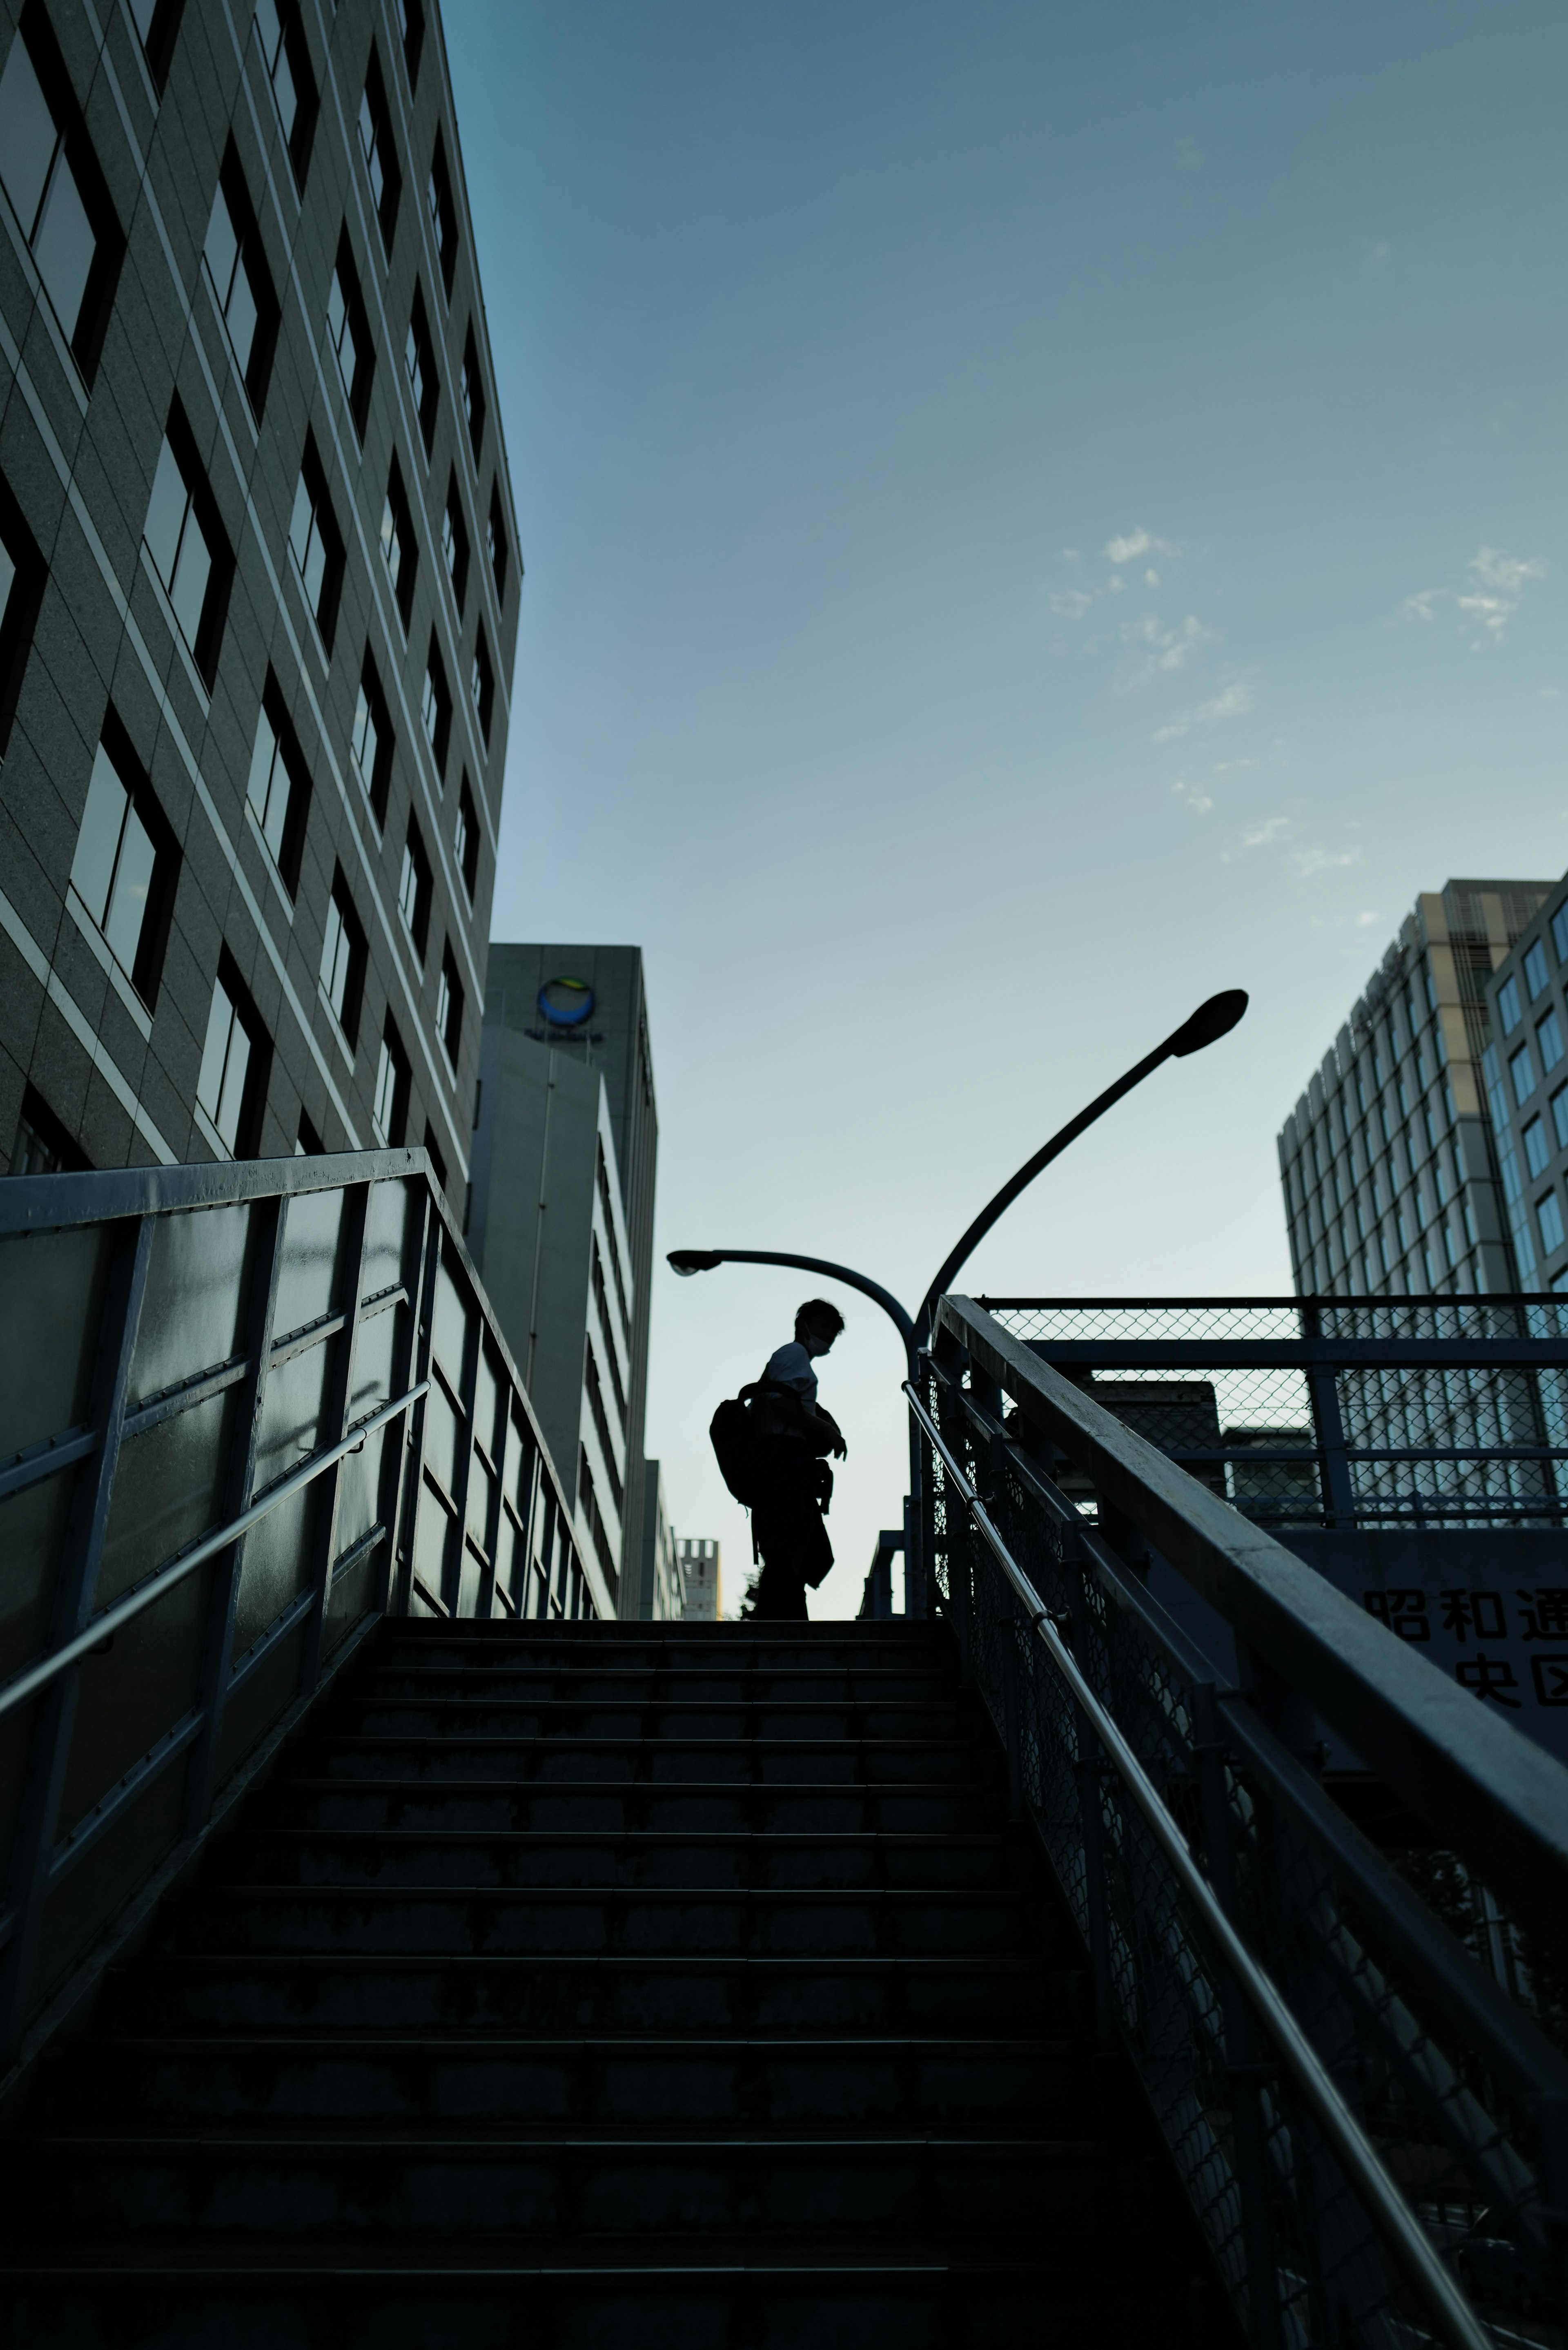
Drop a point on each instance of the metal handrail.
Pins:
(1403, 2234)
(28, 1683)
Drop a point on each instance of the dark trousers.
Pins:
(786, 1525)
(780, 1595)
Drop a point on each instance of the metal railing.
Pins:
(177, 1578)
(1397, 2123)
(1373, 1413)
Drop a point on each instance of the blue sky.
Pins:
(1032, 514)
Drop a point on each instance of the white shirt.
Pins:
(791, 1366)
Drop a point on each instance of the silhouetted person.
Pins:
(795, 1434)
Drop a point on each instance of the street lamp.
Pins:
(1213, 1019)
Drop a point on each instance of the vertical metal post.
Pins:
(468, 1389)
(269, 1218)
(1334, 1468)
(1096, 1902)
(1012, 1711)
(337, 1405)
(49, 1757)
(421, 1340)
(1251, 2164)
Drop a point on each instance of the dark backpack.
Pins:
(735, 1444)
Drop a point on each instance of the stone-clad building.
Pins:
(259, 581)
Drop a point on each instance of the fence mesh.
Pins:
(1262, 1402)
(1289, 2240)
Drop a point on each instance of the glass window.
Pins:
(225, 1064)
(443, 214)
(237, 297)
(1549, 1216)
(1535, 972)
(44, 190)
(268, 788)
(449, 1007)
(1536, 1149)
(375, 144)
(418, 360)
(454, 541)
(481, 694)
(1549, 1037)
(1522, 1071)
(389, 1108)
(1559, 932)
(391, 543)
(115, 863)
(305, 541)
(349, 332)
(435, 706)
(336, 955)
(270, 32)
(411, 18)
(367, 738)
(177, 545)
(1508, 1007)
(495, 542)
(1560, 1117)
(473, 392)
(343, 957)
(466, 839)
(414, 888)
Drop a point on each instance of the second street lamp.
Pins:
(1213, 1019)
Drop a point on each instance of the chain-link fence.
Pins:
(1464, 2099)
(1398, 1412)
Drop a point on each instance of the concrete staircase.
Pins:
(605, 1988)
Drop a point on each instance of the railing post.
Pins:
(337, 1405)
(222, 1595)
(1089, 1775)
(421, 1339)
(1251, 2166)
(1334, 1468)
(43, 1788)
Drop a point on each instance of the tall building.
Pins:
(661, 1574)
(259, 583)
(561, 1223)
(701, 1584)
(1388, 1161)
(1526, 1082)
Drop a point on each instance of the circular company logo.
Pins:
(566, 1003)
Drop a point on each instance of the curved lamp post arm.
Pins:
(687, 1260)
(1211, 1020)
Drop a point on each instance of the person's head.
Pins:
(818, 1325)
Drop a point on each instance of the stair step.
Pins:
(429, 2184)
(559, 1858)
(632, 1806)
(724, 1762)
(338, 1993)
(476, 2301)
(1025, 2084)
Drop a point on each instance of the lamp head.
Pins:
(687, 1261)
(1210, 1022)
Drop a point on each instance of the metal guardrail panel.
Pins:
(1460, 2095)
(243, 1409)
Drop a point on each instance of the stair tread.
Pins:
(834, 1839)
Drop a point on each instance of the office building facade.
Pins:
(1389, 1165)
(701, 1579)
(259, 582)
(660, 1576)
(564, 1154)
(1525, 1074)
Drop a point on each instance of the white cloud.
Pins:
(1378, 254)
(1168, 648)
(1234, 766)
(1506, 572)
(1071, 555)
(1263, 836)
(1499, 580)
(1134, 543)
(1309, 861)
(1551, 692)
(1234, 701)
(1365, 920)
(1070, 603)
(1193, 795)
